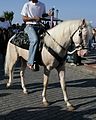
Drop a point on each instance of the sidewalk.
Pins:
(90, 60)
(14, 105)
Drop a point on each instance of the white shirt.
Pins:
(31, 9)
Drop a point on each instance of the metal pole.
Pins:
(57, 11)
(52, 18)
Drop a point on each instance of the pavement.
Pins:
(89, 61)
(81, 85)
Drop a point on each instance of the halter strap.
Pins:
(80, 34)
(74, 33)
(58, 58)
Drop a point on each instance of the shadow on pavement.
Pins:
(4, 94)
(82, 83)
(49, 113)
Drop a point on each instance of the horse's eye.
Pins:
(80, 32)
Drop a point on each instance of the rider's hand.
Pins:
(36, 18)
(50, 13)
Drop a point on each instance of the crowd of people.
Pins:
(10, 28)
(7, 30)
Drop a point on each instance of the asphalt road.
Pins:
(81, 87)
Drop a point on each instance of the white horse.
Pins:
(54, 51)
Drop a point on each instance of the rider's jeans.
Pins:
(33, 43)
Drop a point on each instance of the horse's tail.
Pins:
(8, 57)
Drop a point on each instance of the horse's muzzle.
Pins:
(82, 52)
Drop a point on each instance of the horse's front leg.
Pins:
(23, 67)
(45, 84)
(61, 74)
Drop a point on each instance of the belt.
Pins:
(38, 25)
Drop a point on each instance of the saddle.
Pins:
(22, 40)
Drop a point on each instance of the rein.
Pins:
(60, 59)
(53, 53)
(51, 36)
(56, 41)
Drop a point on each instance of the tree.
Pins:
(9, 16)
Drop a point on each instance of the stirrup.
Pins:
(36, 67)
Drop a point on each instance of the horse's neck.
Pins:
(57, 36)
(57, 42)
(61, 35)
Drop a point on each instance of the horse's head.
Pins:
(81, 37)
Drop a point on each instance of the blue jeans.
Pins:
(33, 43)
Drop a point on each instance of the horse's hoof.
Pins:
(46, 104)
(25, 92)
(71, 108)
(7, 86)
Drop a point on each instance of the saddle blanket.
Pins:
(21, 40)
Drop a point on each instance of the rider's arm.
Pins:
(28, 19)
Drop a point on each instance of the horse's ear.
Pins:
(84, 22)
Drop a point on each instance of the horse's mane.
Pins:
(65, 24)
(62, 30)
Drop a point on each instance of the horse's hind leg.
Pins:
(45, 84)
(10, 77)
(23, 67)
(10, 72)
(61, 75)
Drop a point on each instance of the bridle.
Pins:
(80, 28)
(81, 45)
(61, 59)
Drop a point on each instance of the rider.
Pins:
(32, 12)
